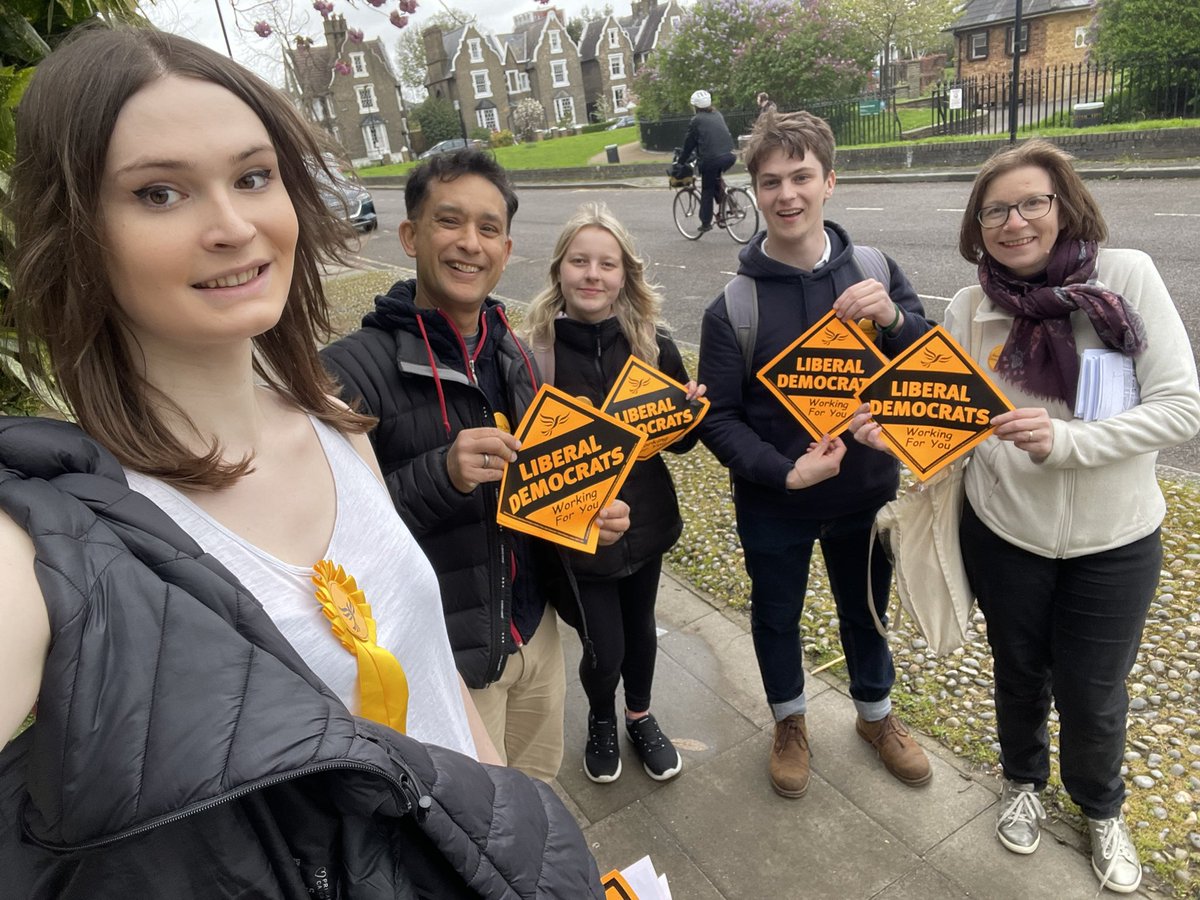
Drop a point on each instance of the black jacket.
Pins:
(749, 430)
(420, 384)
(587, 360)
(708, 137)
(183, 749)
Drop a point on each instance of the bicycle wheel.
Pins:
(687, 213)
(741, 215)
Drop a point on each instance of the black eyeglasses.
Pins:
(1030, 208)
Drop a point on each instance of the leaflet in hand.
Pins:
(1107, 385)
(636, 882)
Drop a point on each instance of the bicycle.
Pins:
(735, 211)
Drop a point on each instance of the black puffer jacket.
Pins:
(587, 360)
(409, 367)
(708, 138)
(182, 748)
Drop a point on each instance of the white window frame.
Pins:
(488, 118)
(367, 92)
(555, 39)
(1008, 39)
(512, 83)
(1081, 37)
(974, 50)
(523, 78)
(675, 20)
(620, 99)
(481, 81)
(616, 65)
(475, 49)
(614, 37)
(559, 77)
(563, 106)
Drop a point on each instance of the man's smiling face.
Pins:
(460, 242)
(791, 192)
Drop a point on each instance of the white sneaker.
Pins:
(1019, 823)
(1114, 858)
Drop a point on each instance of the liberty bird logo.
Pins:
(932, 358)
(638, 383)
(549, 423)
(829, 336)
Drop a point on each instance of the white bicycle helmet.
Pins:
(702, 100)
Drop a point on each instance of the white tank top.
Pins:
(372, 544)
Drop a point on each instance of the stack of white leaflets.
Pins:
(636, 882)
(1107, 385)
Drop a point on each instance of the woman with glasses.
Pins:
(1060, 528)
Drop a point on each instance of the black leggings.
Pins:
(620, 623)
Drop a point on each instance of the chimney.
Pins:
(335, 32)
(435, 52)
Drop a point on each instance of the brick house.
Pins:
(363, 111)
(650, 25)
(465, 65)
(1053, 33)
(606, 58)
(486, 75)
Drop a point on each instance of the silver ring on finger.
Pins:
(487, 460)
(1031, 437)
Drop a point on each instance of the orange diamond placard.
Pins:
(572, 462)
(820, 374)
(654, 404)
(933, 403)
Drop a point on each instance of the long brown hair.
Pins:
(1078, 212)
(62, 301)
(638, 306)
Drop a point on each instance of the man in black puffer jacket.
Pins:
(437, 363)
(183, 749)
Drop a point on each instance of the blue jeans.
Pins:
(778, 552)
(1067, 630)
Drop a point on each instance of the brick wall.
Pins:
(1051, 42)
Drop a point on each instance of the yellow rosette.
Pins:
(382, 684)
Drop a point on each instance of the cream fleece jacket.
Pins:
(1097, 489)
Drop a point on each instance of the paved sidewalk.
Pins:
(719, 830)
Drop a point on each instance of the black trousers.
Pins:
(1067, 630)
(620, 622)
(710, 174)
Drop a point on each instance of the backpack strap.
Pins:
(871, 263)
(741, 306)
(545, 363)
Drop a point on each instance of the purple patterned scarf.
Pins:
(1039, 355)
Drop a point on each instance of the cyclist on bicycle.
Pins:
(709, 140)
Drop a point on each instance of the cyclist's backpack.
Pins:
(741, 299)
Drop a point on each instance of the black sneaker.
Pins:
(704, 228)
(659, 757)
(602, 757)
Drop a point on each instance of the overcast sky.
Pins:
(197, 19)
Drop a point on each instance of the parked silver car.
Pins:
(444, 147)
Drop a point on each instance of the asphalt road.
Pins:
(916, 224)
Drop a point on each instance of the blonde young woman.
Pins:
(596, 313)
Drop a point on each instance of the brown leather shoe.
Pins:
(901, 755)
(789, 766)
